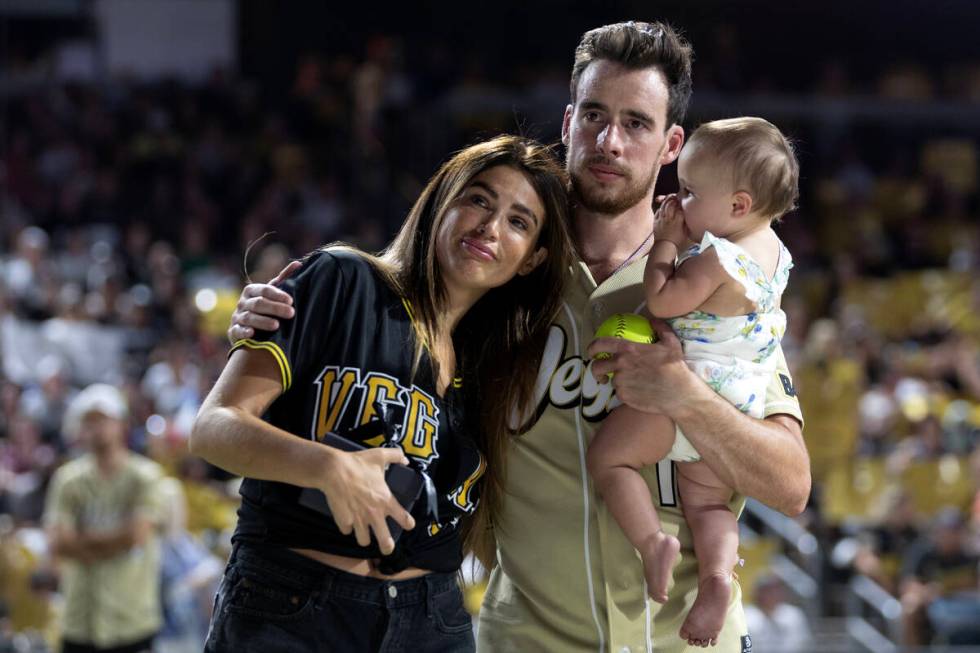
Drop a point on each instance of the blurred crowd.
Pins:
(131, 214)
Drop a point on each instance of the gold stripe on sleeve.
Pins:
(277, 353)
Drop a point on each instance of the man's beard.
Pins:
(608, 203)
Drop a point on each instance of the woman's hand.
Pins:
(359, 497)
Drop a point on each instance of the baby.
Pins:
(721, 296)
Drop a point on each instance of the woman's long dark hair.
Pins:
(500, 340)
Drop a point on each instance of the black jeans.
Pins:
(276, 600)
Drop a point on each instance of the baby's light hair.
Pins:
(762, 160)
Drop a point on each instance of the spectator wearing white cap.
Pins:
(102, 515)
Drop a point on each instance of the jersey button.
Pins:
(625, 649)
(392, 592)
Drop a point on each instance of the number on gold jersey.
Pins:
(667, 483)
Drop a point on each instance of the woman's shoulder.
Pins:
(360, 276)
(347, 259)
(342, 263)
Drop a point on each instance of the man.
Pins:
(567, 578)
(939, 585)
(101, 515)
(777, 626)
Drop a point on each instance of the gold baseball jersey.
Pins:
(567, 579)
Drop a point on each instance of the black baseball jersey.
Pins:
(350, 347)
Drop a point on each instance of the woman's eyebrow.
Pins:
(485, 186)
(520, 208)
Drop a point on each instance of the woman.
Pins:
(440, 331)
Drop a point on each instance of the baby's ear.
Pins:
(741, 204)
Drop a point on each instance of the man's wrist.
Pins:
(690, 397)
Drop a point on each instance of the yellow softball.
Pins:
(628, 326)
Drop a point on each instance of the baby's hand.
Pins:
(668, 223)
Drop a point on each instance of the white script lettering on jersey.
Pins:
(565, 381)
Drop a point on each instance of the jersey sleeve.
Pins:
(149, 497)
(318, 292)
(780, 394)
(58, 509)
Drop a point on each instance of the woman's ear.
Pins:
(533, 261)
(741, 204)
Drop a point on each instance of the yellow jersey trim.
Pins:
(457, 381)
(411, 318)
(408, 309)
(277, 353)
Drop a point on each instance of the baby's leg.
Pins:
(714, 530)
(628, 441)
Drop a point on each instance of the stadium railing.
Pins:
(867, 604)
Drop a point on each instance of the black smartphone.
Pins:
(405, 483)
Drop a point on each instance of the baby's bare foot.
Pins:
(659, 556)
(707, 615)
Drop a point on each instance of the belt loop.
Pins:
(428, 594)
(328, 581)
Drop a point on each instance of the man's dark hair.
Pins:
(638, 45)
